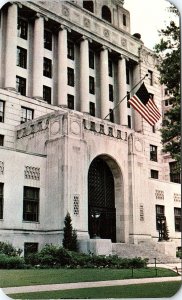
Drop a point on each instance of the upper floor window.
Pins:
(128, 98)
(2, 111)
(88, 5)
(177, 219)
(21, 57)
(91, 60)
(129, 121)
(47, 40)
(47, 68)
(111, 115)
(124, 19)
(26, 114)
(70, 101)
(1, 199)
(154, 174)
(47, 94)
(153, 153)
(70, 74)
(70, 53)
(21, 85)
(110, 68)
(106, 13)
(150, 77)
(31, 204)
(92, 108)
(175, 175)
(127, 75)
(22, 28)
(1, 140)
(91, 85)
(111, 97)
(160, 216)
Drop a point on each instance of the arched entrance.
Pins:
(101, 201)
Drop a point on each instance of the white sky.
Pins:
(147, 17)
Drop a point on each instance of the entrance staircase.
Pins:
(143, 250)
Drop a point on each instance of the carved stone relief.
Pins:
(32, 173)
(1, 167)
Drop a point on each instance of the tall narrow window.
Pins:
(106, 13)
(21, 57)
(2, 111)
(1, 140)
(92, 109)
(153, 153)
(175, 175)
(47, 94)
(128, 98)
(160, 214)
(124, 19)
(70, 51)
(26, 114)
(91, 85)
(47, 40)
(129, 121)
(22, 28)
(127, 75)
(111, 98)
(91, 60)
(110, 68)
(70, 101)
(111, 115)
(150, 77)
(71, 77)
(1, 199)
(21, 85)
(88, 5)
(31, 204)
(47, 68)
(177, 219)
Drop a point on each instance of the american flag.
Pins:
(145, 106)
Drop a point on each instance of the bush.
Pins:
(8, 249)
(11, 262)
(179, 253)
(70, 235)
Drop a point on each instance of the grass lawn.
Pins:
(146, 290)
(10, 278)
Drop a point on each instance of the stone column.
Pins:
(122, 91)
(38, 53)
(84, 75)
(62, 66)
(11, 46)
(137, 119)
(104, 83)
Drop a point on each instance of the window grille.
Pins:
(76, 207)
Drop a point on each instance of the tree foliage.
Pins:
(70, 235)
(168, 50)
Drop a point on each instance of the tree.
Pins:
(165, 232)
(70, 235)
(169, 67)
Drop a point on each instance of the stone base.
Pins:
(168, 248)
(96, 246)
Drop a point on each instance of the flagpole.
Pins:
(126, 96)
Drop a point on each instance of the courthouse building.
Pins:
(67, 144)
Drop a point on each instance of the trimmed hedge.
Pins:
(11, 262)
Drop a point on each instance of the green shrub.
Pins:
(70, 235)
(8, 249)
(11, 262)
(179, 253)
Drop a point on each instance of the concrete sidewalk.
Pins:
(80, 285)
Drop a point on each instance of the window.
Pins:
(91, 85)
(150, 77)
(47, 94)
(21, 85)
(26, 114)
(151, 96)
(70, 53)
(70, 101)
(124, 19)
(153, 128)
(153, 153)
(127, 75)
(22, 28)
(88, 5)
(92, 108)
(154, 174)
(106, 13)
(71, 77)
(30, 248)
(2, 104)
(177, 219)
(110, 69)
(159, 215)
(111, 93)
(47, 40)
(128, 98)
(21, 57)
(31, 204)
(47, 68)
(111, 115)
(174, 168)
(129, 121)
(1, 199)
(1, 140)
(91, 60)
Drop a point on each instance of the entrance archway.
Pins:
(101, 200)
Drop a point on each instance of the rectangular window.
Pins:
(175, 175)
(111, 115)
(92, 109)
(177, 219)
(150, 77)
(154, 174)
(160, 215)
(47, 40)
(111, 98)
(1, 140)
(91, 60)
(110, 68)
(128, 98)
(47, 67)
(124, 19)
(71, 52)
(70, 101)
(31, 204)
(71, 77)
(2, 104)
(26, 114)
(1, 199)
(129, 121)
(153, 153)
(91, 85)
(21, 57)
(47, 94)
(127, 75)
(21, 85)
(30, 248)
(22, 28)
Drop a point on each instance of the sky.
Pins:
(147, 17)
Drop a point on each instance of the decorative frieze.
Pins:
(159, 194)
(1, 167)
(76, 207)
(177, 197)
(32, 128)
(141, 212)
(32, 173)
